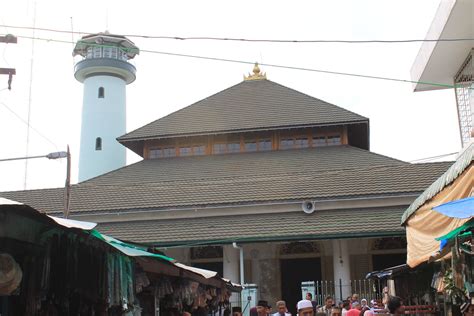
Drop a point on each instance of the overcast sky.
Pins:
(403, 124)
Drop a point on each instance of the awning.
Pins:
(463, 231)
(127, 248)
(423, 223)
(156, 263)
(388, 272)
(462, 208)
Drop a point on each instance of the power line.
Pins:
(27, 124)
(234, 39)
(433, 157)
(263, 64)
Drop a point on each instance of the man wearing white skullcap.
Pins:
(305, 308)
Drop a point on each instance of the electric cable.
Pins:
(263, 64)
(234, 39)
(434, 157)
(27, 124)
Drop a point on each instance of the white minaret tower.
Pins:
(105, 72)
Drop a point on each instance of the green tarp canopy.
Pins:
(128, 249)
(462, 231)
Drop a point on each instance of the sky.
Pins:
(403, 124)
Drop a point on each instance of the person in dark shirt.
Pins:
(395, 305)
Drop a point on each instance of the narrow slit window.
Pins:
(98, 143)
(101, 92)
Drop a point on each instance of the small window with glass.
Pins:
(250, 146)
(219, 148)
(169, 152)
(233, 147)
(199, 150)
(185, 151)
(301, 142)
(287, 143)
(156, 153)
(319, 141)
(264, 145)
(98, 143)
(334, 140)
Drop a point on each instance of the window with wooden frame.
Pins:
(169, 152)
(250, 145)
(333, 140)
(185, 151)
(233, 147)
(287, 143)
(264, 144)
(199, 150)
(319, 141)
(155, 153)
(219, 148)
(301, 142)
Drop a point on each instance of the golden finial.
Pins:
(257, 74)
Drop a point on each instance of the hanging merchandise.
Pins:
(141, 280)
(10, 274)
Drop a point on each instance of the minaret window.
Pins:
(101, 92)
(97, 52)
(98, 143)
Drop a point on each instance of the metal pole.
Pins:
(340, 289)
(22, 158)
(67, 186)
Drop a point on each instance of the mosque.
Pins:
(262, 183)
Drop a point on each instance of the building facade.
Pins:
(260, 174)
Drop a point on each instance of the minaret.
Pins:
(105, 71)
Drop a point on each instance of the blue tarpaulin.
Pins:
(463, 208)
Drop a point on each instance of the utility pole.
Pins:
(8, 39)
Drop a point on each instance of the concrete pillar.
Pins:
(231, 263)
(342, 269)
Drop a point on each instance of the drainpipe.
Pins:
(241, 249)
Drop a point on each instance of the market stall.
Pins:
(439, 229)
(55, 266)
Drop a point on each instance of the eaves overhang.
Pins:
(437, 62)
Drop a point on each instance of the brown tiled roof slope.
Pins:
(260, 227)
(333, 172)
(249, 105)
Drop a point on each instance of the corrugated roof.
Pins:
(463, 161)
(249, 105)
(239, 179)
(261, 227)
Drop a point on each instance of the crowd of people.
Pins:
(352, 306)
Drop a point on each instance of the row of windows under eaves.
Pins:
(247, 146)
